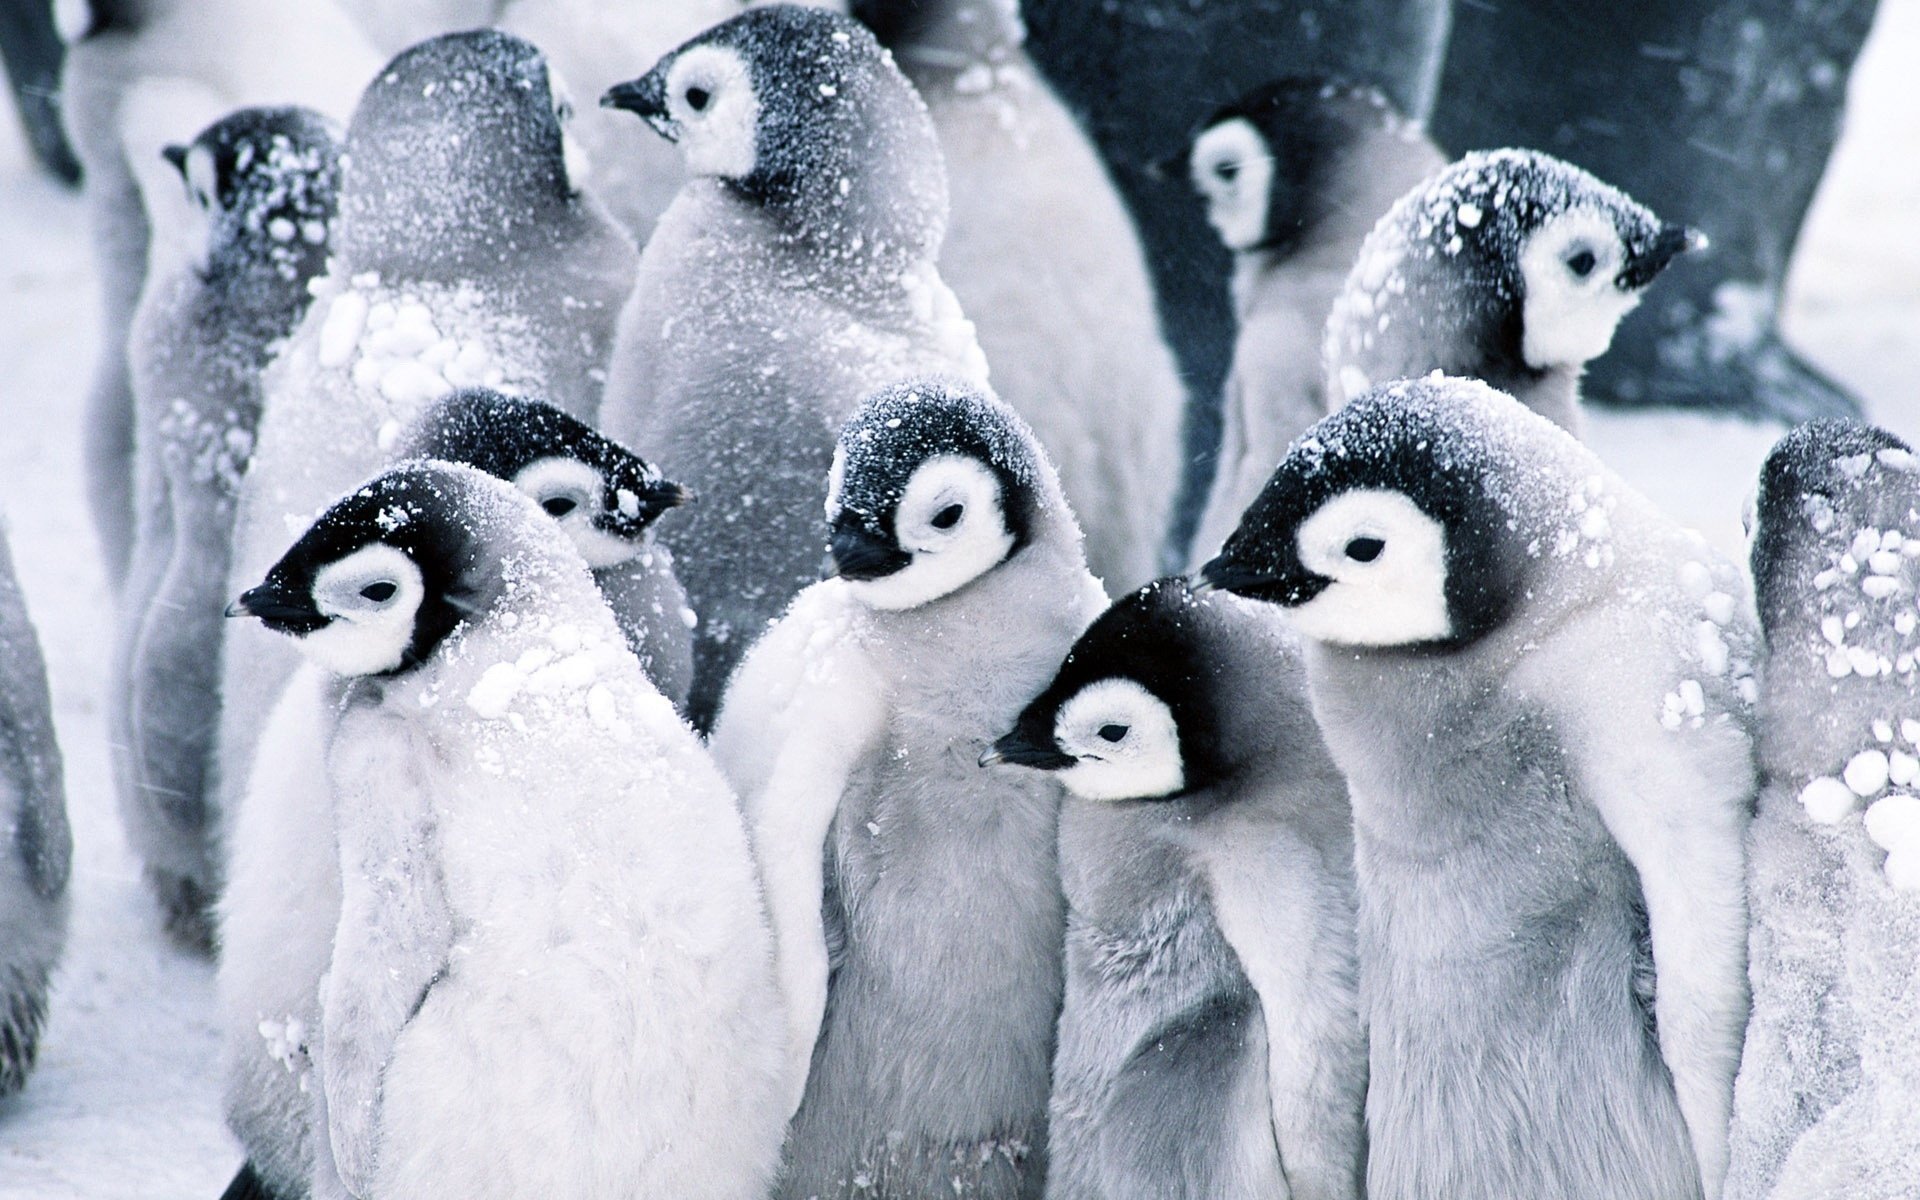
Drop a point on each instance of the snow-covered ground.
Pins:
(126, 1099)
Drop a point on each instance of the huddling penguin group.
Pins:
(1455, 828)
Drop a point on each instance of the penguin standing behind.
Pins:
(1823, 1104)
(552, 974)
(282, 898)
(1294, 175)
(1509, 266)
(1537, 687)
(37, 851)
(1207, 860)
(926, 1005)
(463, 256)
(793, 275)
(260, 186)
(1044, 258)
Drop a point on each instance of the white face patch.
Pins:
(371, 597)
(573, 493)
(1388, 563)
(950, 521)
(1573, 305)
(1232, 169)
(1126, 741)
(711, 101)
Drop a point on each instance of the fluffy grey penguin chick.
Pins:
(37, 851)
(1045, 260)
(1509, 266)
(260, 187)
(463, 256)
(1538, 688)
(922, 1013)
(551, 944)
(1209, 1043)
(1824, 1105)
(282, 899)
(793, 275)
(1294, 174)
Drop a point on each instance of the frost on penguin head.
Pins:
(603, 495)
(455, 155)
(932, 485)
(801, 112)
(266, 182)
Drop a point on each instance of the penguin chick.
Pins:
(1509, 266)
(1294, 174)
(550, 940)
(463, 256)
(260, 186)
(793, 275)
(1835, 848)
(1045, 260)
(37, 852)
(1206, 855)
(1537, 687)
(926, 1005)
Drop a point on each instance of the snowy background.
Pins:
(125, 1102)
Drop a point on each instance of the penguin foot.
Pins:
(23, 1010)
(186, 909)
(247, 1185)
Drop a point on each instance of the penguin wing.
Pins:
(1677, 800)
(803, 711)
(30, 766)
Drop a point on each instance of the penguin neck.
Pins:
(866, 238)
(1554, 394)
(951, 36)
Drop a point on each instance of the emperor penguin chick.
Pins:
(793, 275)
(1206, 854)
(282, 896)
(922, 1015)
(1294, 175)
(551, 944)
(36, 854)
(1538, 688)
(1509, 266)
(261, 186)
(463, 256)
(1832, 1054)
(1045, 260)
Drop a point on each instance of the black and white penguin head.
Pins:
(265, 182)
(1131, 714)
(603, 495)
(1262, 163)
(387, 572)
(932, 486)
(1391, 522)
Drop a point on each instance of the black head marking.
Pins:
(275, 187)
(1409, 437)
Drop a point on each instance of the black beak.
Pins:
(635, 508)
(277, 610)
(645, 97)
(1223, 574)
(1671, 242)
(861, 554)
(1017, 748)
(177, 155)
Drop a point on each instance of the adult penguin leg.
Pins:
(1718, 113)
(32, 51)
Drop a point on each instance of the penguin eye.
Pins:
(697, 98)
(948, 517)
(1582, 263)
(1365, 549)
(1228, 170)
(563, 111)
(1113, 733)
(380, 591)
(559, 506)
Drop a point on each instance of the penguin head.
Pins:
(1262, 163)
(385, 574)
(603, 495)
(932, 486)
(1390, 523)
(1131, 713)
(265, 181)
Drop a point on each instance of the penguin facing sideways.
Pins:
(260, 188)
(1045, 260)
(793, 275)
(37, 852)
(550, 942)
(1294, 175)
(282, 898)
(1509, 266)
(463, 256)
(1831, 1054)
(1538, 689)
(915, 899)
(1206, 854)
